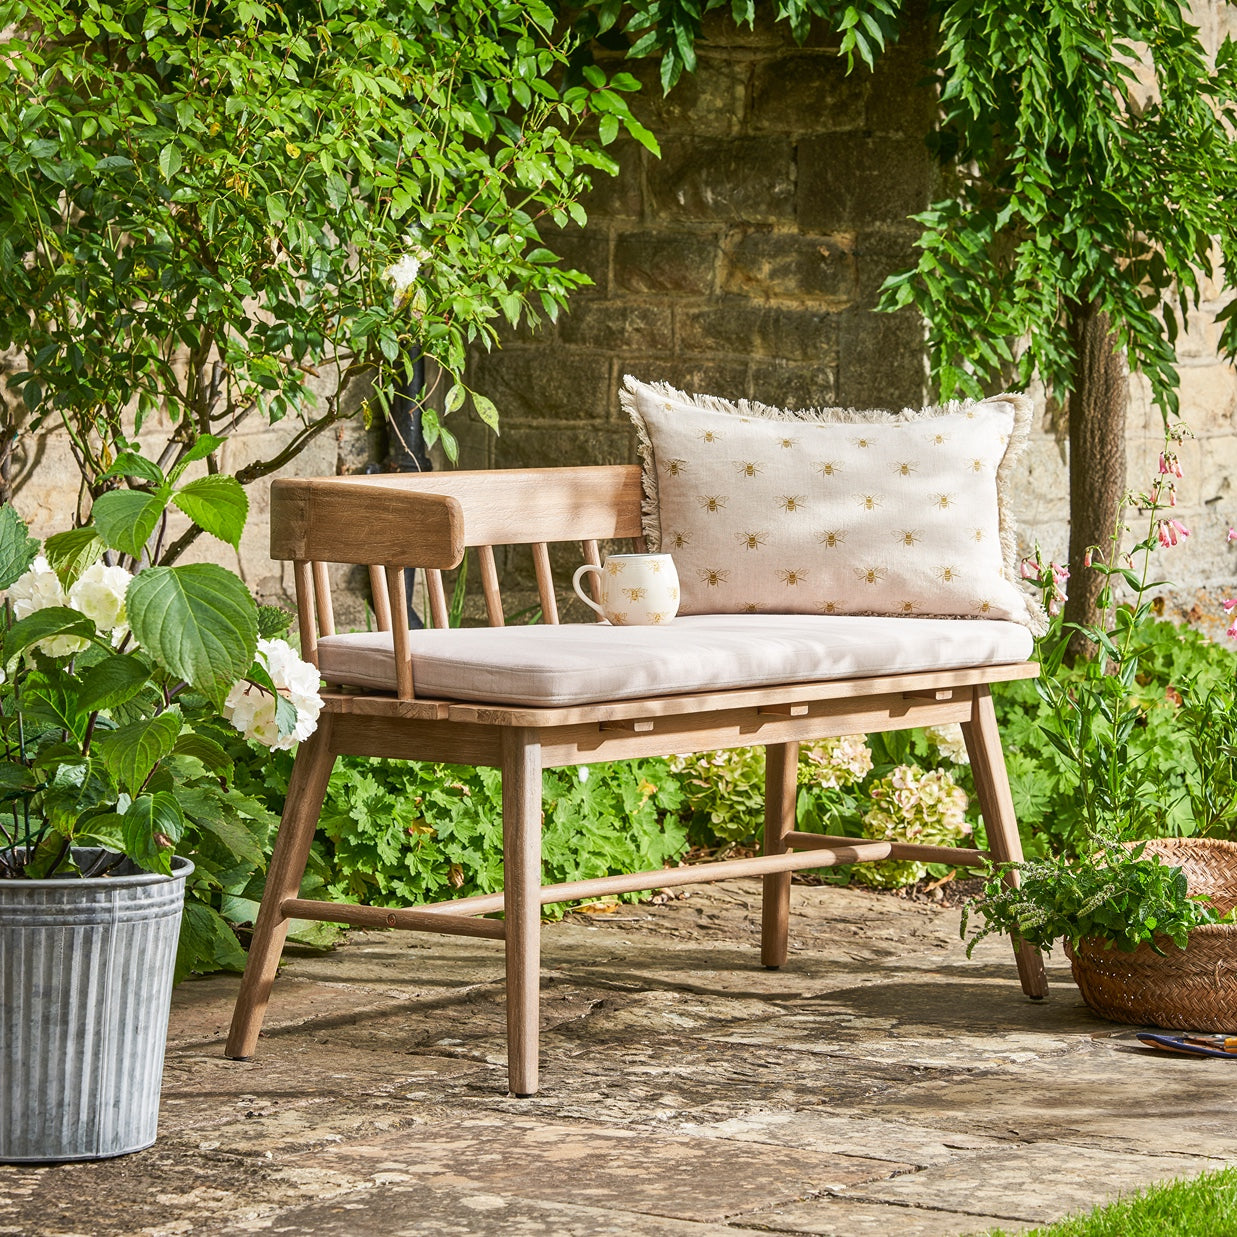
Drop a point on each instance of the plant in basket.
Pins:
(1143, 919)
(120, 680)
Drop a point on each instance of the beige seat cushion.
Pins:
(579, 663)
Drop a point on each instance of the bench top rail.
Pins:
(391, 522)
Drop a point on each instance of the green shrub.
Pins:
(1186, 772)
(396, 833)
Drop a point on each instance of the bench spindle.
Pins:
(489, 586)
(397, 600)
(322, 600)
(545, 582)
(302, 575)
(438, 599)
(378, 591)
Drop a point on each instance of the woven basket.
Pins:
(1191, 989)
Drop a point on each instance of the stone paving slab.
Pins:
(1036, 1184)
(835, 1217)
(880, 1083)
(606, 1166)
(396, 1209)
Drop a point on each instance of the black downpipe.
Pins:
(406, 450)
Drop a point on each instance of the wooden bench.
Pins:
(845, 676)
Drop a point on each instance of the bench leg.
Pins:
(521, 770)
(983, 745)
(306, 791)
(781, 789)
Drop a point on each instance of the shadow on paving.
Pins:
(880, 1083)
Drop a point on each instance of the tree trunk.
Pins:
(1097, 408)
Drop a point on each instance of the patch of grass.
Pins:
(1203, 1206)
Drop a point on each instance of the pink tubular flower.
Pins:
(1170, 532)
(1060, 573)
(1029, 569)
(1087, 558)
(1232, 534)
(1169, 464)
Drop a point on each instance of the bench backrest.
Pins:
(391, 522)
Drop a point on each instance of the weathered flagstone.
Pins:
(606, 1166)
(396, 1209)
(835, 1217)
(1035, 1184)
(880, 1083)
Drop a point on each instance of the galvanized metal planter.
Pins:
(85, 990)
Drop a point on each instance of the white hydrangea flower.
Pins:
(40, 589)
(99, 593)
(948, 740)
(252, 709)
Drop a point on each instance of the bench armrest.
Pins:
(345, 520)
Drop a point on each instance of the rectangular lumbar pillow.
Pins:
(834, 511)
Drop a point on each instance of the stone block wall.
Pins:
(743, 262)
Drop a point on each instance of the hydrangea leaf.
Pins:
(217, 504)
(198, 622)
(112, 682)
(125, 519)
(131, 752)
(17, 548)
(70, 553)
(42, 625)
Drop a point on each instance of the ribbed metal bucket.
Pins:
(85, 991)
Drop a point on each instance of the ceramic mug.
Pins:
(636, 589)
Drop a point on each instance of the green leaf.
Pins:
(131, 753)
(455, 398)
(17, 548)
(201, 448)
(131, 464)
(198, 622)
(206, 943)
(42, 625)
(112, 682)
(274, 621)
(205, 749)
(126, 519)
(227, 828)
(51, 857)
(15, 777)
(70, 553)
(148, 820)
(217, 504)
(285, 710)
(486, 410)
(169, 161)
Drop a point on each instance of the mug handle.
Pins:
(575, 584)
